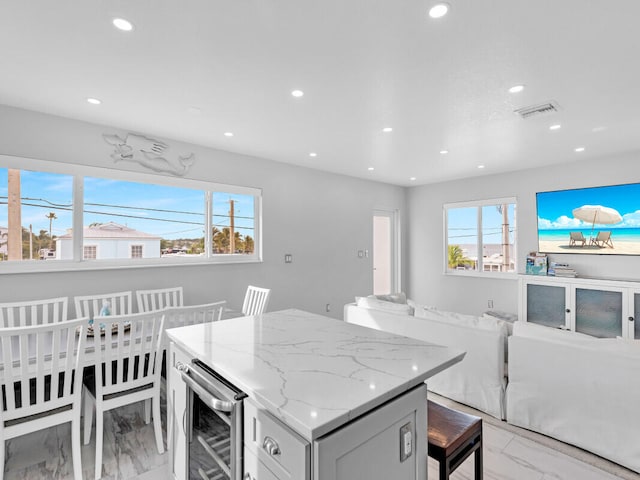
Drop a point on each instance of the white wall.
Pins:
(428, 284)
(321, 219)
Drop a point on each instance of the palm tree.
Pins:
(51, 216)
(221, 240)
(248, 244)
(456, 257)
(5, 236)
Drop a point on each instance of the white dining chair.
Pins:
(151, 300)
(127, 370)
(119, 303)
(34, 312)
(191, 315)
(41, 378)
(255, 300)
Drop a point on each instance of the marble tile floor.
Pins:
(129, 451)
(510, 453)
(513, 453)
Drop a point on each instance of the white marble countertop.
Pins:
(314, 373)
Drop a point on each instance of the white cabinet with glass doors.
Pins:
(600, 308)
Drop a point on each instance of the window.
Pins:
(136, 251)
(59, 212)
(36, 209)
(486, 226)
(233, 224)
(165, 219)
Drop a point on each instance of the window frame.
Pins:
(78, 172)
(479, 204)
(136, 246)
(91, 247)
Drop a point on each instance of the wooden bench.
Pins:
(453, 436)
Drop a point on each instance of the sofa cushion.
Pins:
(382, 305)
(472, 321)
(507, 318)
(399, 297)
(542, 332)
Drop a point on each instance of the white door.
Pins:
(384, 252)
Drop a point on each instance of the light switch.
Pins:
(360, 254)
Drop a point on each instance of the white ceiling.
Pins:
(362, 64)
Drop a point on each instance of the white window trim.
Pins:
(478, 204)
(80, 171)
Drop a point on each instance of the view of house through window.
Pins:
(160, 220)
(480, 236)
(121, 219)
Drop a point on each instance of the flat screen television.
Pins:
(597, 220)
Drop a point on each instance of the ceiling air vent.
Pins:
(526, 112)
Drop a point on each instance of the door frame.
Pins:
(394, 216)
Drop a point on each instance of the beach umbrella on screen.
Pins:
(597, 214)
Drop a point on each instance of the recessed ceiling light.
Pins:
(313, 154)
(228, 134)
(413, 179)
(444, 152)
(557, 126)
(439, 10)
(297, 93)
(579, 149)
(516, 89)
(481, 166)
(94, 101)
(387, 129)
(122, 24)
(371, 169)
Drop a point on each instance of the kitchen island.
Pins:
(340, 396)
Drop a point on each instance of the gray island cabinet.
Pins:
(325, 399)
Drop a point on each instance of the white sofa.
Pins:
(576, 388)
(479, 379)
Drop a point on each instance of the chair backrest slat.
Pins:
(33, 312)
(157, 299)
(7, 362)
(24, 366)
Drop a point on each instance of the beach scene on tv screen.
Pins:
(598, 220)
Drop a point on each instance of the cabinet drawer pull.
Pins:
(271, 446)
(631, 319)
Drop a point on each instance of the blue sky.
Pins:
(554, 208)
(168, 212)
(462, 225)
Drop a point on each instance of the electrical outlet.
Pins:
(288, 258)
(360, 254)
(490, 303)
(328, 307)
(406, 441)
